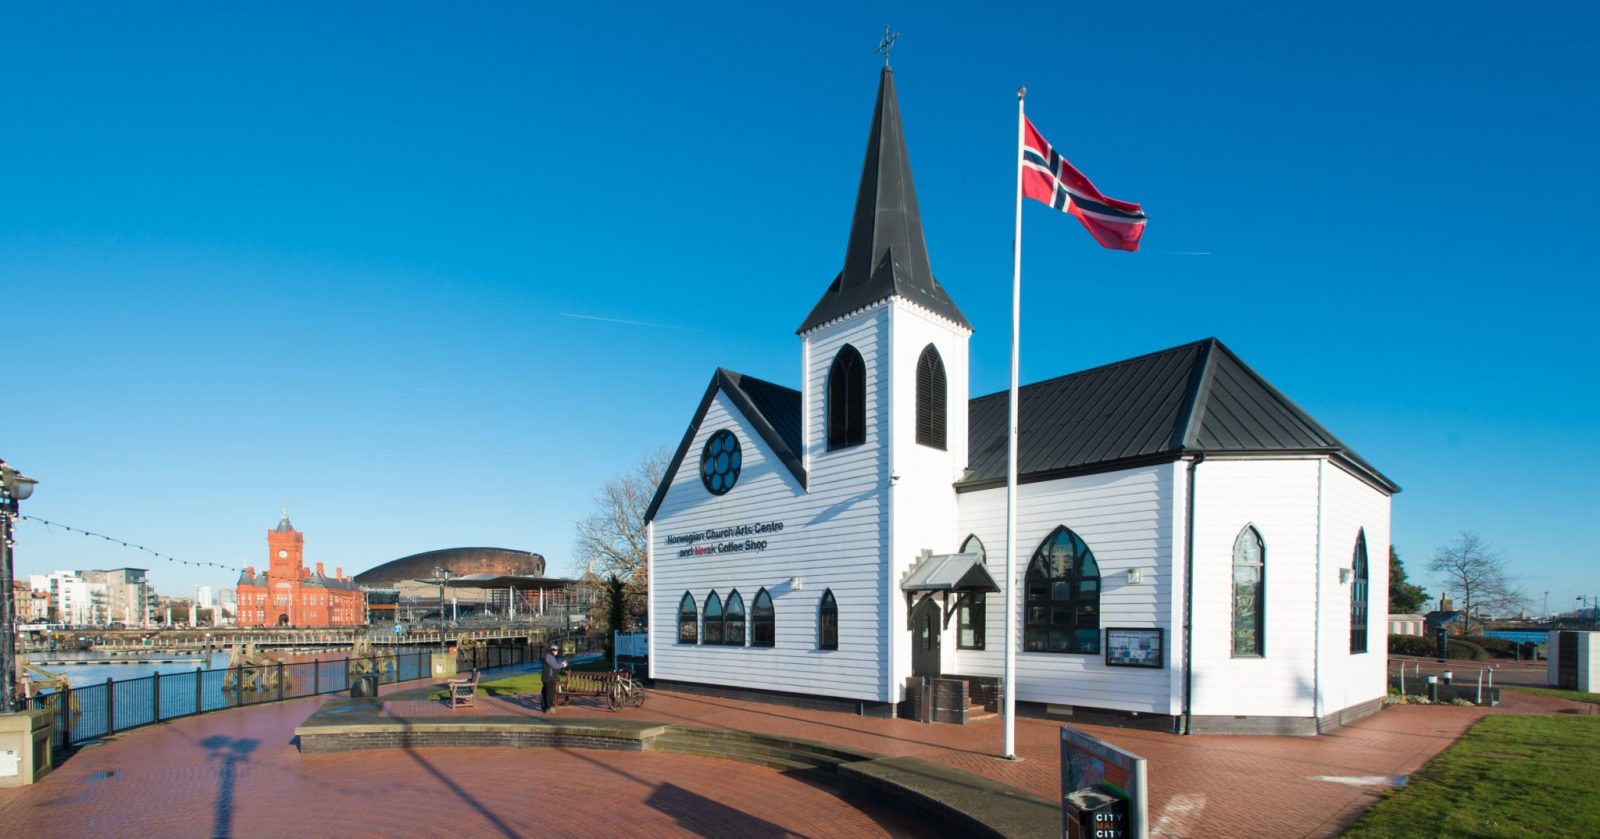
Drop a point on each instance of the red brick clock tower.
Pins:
(291, 595)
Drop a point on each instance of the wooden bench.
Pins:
(585, 683)
(463, 691)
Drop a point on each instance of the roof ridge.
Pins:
(1106, 366)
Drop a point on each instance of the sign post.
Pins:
(1103, 789)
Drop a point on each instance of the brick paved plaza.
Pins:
(238, 772)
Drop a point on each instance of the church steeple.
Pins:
(887, 255)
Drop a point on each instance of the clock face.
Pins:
(283, 554)
(720, 461)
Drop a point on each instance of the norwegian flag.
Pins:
(1048, 177)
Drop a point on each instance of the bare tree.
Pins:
(611, 540)
(1470, 565)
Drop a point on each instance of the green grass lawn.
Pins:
(1574, 695)
(524, 682)
(1509, 776)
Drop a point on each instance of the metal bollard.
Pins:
(1433, 688)
(1480, 687)
(1449, 677)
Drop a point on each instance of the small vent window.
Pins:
(931, 399)
(847, 400)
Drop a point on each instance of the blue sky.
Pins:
(374, 262)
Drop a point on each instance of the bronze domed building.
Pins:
(484, 583)
(460, 562)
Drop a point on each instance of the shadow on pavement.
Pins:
(231, 751)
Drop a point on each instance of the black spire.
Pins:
(887, 255)
(283, 523)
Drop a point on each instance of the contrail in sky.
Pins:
(627, 322)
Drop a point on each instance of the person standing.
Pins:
(553, 665)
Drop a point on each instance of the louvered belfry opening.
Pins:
(847, 400)
(931, 401)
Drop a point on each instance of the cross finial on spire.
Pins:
(886, 45)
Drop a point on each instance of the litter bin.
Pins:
(1095, 813)
(364, 686)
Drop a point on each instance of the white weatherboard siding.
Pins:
(1350, 505)
(924, 506)
(808, 547)
(1126, 519)
(1280, 498)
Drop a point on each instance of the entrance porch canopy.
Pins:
(946, 574)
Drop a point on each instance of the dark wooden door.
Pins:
(925, 621)
(1567, 663)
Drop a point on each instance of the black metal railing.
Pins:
(93, 711)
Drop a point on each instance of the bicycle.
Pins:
(625, 692)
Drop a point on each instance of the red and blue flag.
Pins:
(1048, 177)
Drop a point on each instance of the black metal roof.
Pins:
(773, 411)
(1197, 397)
(887, 255)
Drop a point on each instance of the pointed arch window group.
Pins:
(723, 621)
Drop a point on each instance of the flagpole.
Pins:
(1009, 706)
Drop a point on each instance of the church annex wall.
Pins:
(1279, 497)
(1126, 519)
(1350, 506)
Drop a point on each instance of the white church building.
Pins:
(1195, 553)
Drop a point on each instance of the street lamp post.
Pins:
(441, 576)
(14, 487)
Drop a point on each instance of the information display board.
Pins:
(1134, 648)
(1089, 763)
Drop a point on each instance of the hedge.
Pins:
(1421, 647)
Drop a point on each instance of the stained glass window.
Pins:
(688, 620)
(713, 630)
(762, 620)
(828, 622)
(1063, 597)
(1358, 595)
(1249, 593)
(733, 621)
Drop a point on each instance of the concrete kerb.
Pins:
(980, 806)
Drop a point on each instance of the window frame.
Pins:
(845, 412)
(933, 400)
(763, 620)
(733, 622)
(1043, 612)
(1360, 595)
(971, 614)
(827, 606)
(1260, 649)
(693, 618)
(708, 621)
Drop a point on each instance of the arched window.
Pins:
(1249, 593)
(713, 630)
(970, 607)
(1063, 586)
(847, 400)
(733, 621)
(1358, 595)
(828, 622)
(763, 620)
(931, 402)
(688, 620)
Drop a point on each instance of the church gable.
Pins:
(772, 411)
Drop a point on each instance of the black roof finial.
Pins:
(886, 45)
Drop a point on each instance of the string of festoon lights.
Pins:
(126, 544)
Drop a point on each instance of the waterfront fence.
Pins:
(90, 712)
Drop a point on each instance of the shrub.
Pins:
(1466, 650)
(1411, 645)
